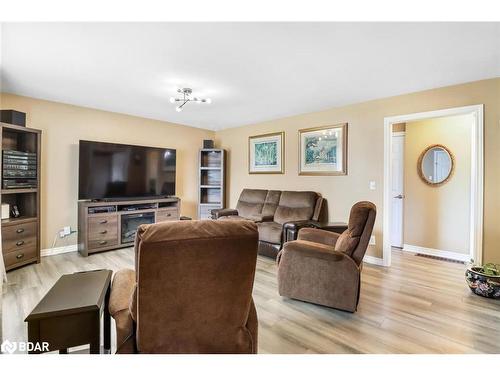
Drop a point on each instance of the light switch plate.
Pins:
(373, 185)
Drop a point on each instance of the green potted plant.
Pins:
(484, 280)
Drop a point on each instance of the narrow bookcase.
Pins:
(21, 233)
(211, 186)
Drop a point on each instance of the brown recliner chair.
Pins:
(191, 291)
(325, 267)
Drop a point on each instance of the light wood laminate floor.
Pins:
(418, 305)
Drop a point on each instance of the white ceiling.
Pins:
(252, 71)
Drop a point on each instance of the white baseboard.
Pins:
(438, 253)
(373, 260)
(58, 250)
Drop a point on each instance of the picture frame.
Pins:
(323, 151)
(266, 153)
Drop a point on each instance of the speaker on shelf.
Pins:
(10, 116)
(208, 143)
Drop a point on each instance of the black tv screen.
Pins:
(114, 171)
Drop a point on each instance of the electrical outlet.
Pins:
(66, 231)
(372, 241)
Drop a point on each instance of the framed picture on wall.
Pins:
(266, 153)
(323, 151)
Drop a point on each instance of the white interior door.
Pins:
(398, 144)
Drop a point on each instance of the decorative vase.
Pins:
(481, 284)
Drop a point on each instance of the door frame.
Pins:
(399, 135)
(477, 175)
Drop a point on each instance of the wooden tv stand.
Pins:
(100, 223)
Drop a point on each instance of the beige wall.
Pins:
(64, 125)
(365, 153)
(438, 217)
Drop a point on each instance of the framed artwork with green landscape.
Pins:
(323, 151)
(265, 153)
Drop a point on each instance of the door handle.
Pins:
(400, 196)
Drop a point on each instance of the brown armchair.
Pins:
(325, 267)
(191, 291)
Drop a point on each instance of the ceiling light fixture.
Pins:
(186, 97)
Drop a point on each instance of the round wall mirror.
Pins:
(435, 165)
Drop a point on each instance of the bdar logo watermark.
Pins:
(10, 347)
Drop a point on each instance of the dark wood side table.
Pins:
(291, 230)
(70, 313)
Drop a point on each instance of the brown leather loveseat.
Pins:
(272, 210)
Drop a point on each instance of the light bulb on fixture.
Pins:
(186, 98)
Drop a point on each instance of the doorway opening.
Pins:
(433, 184)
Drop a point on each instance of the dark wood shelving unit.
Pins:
(21, 235)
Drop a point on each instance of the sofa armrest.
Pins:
(307, 249)
(122, 291)
(261, 218)
(318, 236)
(217, 213)
(122, 307)
(291, 228)
(253, 326)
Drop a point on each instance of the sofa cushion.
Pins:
(354, 240)
(295, 205)
(271, 202)
(251, 202)
(349, 240)
(270, 232)
(254, 218)
(232, 217)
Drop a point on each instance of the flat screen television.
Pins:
(118, 171)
